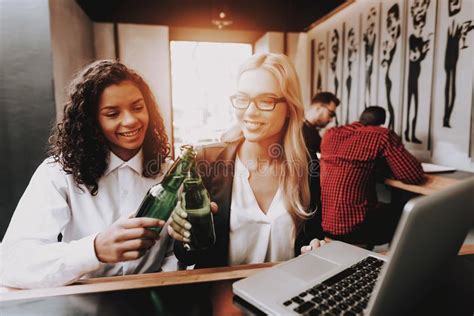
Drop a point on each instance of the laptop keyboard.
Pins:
(346, 293)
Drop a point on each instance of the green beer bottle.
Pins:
(196, 202)
(161, 199)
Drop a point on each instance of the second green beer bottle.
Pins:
(196, 202)
(162, 198)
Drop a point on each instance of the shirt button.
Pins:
(124, 192)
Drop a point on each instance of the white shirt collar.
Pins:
(135, 163)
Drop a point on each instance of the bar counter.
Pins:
(433, 183)
(190, 292)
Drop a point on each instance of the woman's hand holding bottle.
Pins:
(126, 239)
(179, 228)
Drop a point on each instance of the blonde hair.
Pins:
(295, 175)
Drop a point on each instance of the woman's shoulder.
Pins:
(209, 152)
(212, 152)
(50, 171)
(212, 146)
(52, 166)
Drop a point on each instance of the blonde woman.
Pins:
(260, 180)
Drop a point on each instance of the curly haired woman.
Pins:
(74, 219)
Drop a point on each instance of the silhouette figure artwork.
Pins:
(321, 57)
(389, 48)
(351, 58)
(418, 48)
(333, 58)
(369, 38)
(456, 40)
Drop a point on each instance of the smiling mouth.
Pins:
(252, 124)
(131, 133)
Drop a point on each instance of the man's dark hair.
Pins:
(326, 98)
(373, 116)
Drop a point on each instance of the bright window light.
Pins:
(203, 76)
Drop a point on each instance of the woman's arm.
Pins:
(311, 228)
(31, 254)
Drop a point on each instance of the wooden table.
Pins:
(192, 292)
(199, 292)
(137, 281)
(433, 183)
(107, 284)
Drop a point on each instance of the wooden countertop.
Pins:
(433, 183)
(116, 283)
(137, 281)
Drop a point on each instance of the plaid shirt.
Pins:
(349, 157)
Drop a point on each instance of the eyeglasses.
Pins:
(262, 103)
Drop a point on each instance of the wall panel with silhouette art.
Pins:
(335, 40)
(392, 53)
(471, 145)
(369, 53)
(319, 62)
(421, 27)
(424, 72)
(453, 86)
(351, 82)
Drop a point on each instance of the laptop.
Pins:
(339, 278)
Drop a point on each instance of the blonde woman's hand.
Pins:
(315, 243)
(179, 228)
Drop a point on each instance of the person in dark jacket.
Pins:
(318, 115)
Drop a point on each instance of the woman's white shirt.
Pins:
(257, 237)
(53, 204)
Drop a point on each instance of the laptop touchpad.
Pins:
(308, 267)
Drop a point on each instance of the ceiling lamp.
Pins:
(221, 22)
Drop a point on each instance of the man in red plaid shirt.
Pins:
(350, 158)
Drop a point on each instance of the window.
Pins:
(203, 77)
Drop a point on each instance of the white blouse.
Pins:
(53, 204)
(257, 237)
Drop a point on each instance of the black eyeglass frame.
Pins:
(256, 102)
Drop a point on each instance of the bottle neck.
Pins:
(193, 184)
(180, 167)
(195, 195)
(173, 183)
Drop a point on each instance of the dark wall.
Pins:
(27, 108)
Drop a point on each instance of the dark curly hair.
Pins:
(78, 143)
